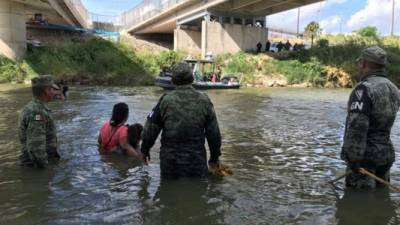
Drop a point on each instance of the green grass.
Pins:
(99, 61)
(107, 63)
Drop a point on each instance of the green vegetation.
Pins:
(330, 63)
(96, 61)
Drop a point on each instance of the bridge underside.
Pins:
(217, 26)
(260, 7)
(19, 16)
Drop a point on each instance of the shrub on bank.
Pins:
(11, 71)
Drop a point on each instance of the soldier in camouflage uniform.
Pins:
(372, 109)
(186, 118)
(37, 131)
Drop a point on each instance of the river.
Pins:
(283, 145)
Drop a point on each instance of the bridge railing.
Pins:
(145, 10)
(80, 12)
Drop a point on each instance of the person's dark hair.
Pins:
(38, 91)
(119, 114)
(135, 134)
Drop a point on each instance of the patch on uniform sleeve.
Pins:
(359, 100)
(155, 114)
(38, 117)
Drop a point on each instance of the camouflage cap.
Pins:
(374, 54)
(182, 74)
(44, 81)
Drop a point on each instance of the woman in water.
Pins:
(113, 137)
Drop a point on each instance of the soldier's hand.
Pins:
(355, 166)
(146, 158)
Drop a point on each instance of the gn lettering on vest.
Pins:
(357, 106)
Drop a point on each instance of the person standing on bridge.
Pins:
(37, 131)
(372, 110)
(186, 118)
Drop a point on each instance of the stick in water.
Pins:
(391, 186)
(341, 177)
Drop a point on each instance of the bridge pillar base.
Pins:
(12, 29)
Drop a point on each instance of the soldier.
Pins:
(37, 131)
(372, 109)
(186, 118)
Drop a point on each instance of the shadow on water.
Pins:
(366, 207)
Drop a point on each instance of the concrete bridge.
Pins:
(17, 15)
(205, 26)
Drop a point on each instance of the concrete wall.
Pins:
(231, 38)
(12, 29)
(188, 41)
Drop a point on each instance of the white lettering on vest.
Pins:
(357, 105)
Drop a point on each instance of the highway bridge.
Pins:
(206, 26)
(16, 16)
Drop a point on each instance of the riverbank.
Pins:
(101, 62)
(95, 61)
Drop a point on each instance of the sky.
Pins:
(334, 16)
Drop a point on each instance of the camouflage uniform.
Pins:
(372, 109)
(186, 117)
(37, 132)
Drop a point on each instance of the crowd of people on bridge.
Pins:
(186, 118)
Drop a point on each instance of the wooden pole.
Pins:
(391, 186)
(341, 177)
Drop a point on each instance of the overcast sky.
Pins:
(334, 16)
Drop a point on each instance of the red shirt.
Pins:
(112, 136)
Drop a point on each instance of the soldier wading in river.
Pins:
(37, 131)
(372, 109)
(186, 117)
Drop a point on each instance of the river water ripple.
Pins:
(283, 145)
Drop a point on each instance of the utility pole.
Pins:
(298, 22)
(392, 25)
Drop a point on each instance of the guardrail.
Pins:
(145, 10)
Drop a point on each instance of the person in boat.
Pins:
(186, 118)
(372, 110)
(113, 135)
(218, 73)
(37, 130)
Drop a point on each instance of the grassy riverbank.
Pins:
(322, 66)
(98, 61)
(95, 61)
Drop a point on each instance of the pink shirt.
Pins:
(112, 136)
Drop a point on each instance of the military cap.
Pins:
(44, 81)
(374, 54)
(182, 74)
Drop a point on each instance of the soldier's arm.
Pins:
(357, 124)
(149, 136)
(213, 134)
(152, 129)
(36, 140)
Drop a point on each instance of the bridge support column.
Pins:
(204, 38)
(12, 29)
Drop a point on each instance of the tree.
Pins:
(312, 30)
(369, 32)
